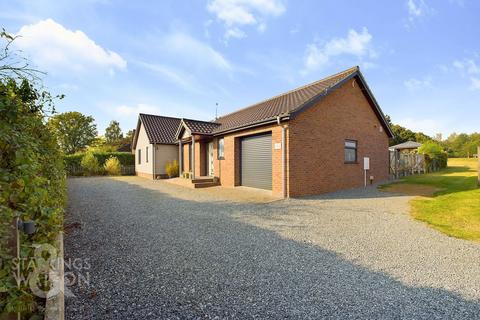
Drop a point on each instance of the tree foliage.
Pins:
(32, 183)
(90, 164)
(435, 156)
(402, 134)
(462, 145)
(32, 176)
(113, 133)
(73, 130)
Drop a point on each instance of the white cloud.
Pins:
(417, 9)
(195, 52)
(414, 9)
(467, 65)
(356, 44)
(55, 48)
(236, 13)
(475, 83)
(234, 33)
(262, 27)
(414, 84)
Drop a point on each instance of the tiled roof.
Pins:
(164, 130)
(160, 129)
(406, 145)
(282, 104)
(202, 127)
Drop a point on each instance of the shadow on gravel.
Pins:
(370, 192)
(153, 256)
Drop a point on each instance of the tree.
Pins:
(129, 136)
(32, 182)
(113, 133)
(12, 65)
(402, 134)
(74, 131)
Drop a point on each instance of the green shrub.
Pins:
(435, 157)
(90, 164)
(73, 161)
(171, 168)
(112, 166)
(32, 186)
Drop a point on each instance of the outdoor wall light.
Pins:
(28, 227)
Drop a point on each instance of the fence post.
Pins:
(478, 166)
(397, 159)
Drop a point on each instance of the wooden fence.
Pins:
(76, 170)
(406, 164)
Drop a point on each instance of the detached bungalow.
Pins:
(154, 144)
(306, 141)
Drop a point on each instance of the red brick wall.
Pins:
(317, 135)
(186, 148)
(197, 153)
(200, 157)
(228, 170)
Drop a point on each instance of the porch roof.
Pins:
(200, 127)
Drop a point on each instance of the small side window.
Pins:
(350, 151)
(146, 154)
(139, 156)
(221, 153)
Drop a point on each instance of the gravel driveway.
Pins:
(348, 255)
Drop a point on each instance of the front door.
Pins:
(210, 159)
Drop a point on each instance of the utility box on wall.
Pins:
(366, 163)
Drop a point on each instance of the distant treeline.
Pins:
(459, 145)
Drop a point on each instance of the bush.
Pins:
(171, 168)
(112, 166)
(73, 161)
(32, 186)
(90, 164)
(435, 157)
(125, 158)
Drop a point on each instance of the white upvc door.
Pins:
(210, 159)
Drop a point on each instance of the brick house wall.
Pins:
(316, 143)
(228, 170)
(186, 155)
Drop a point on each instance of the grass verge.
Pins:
(453, 206)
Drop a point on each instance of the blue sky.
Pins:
(114, 59)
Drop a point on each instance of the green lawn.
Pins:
(455, 207)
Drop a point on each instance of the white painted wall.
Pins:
(142, 144)
(164, 153)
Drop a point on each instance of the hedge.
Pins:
(32, 187)
(125, 158)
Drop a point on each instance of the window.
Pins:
(350, 151)
(139, 156)
(146, 154)
(221, 153)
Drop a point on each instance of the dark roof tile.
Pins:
(202, 127)
(160, 129)
(282, 104)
